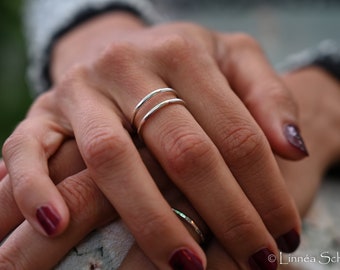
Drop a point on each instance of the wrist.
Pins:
(83, 43)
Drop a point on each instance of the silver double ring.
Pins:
(154, 109)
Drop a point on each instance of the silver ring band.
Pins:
(156, 108)
(192, 223)
(147, 97)
(159, 106)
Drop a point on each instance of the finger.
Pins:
(193, 176)
(10, 214)
(3, 170)
(89, 209)
(240, 141)
(190, 158)
(136, 259)
(263, 92)
(66, 162)
(117, 168)
(34, 191)
(218, 259)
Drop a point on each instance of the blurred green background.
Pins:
(14, 94)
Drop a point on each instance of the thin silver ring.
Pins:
(156, 108)
(147, 97)
(192, 223)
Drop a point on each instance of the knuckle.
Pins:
(117, 58)
(22, 184)
(82, 197)
(280, 96)
(102, 146)
(43, 101)
(187, 152)
(13, 145)
(243, 143)
(73, 79)
(244, 40)
(10, 262)
(273, 94)
(278, 215)
(238, 228)
(173, 49)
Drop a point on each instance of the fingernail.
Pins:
(288, 242)
(48, 219)
(184, 259)
(264, 259)
(293, 136)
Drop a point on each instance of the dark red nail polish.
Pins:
(288, 242)
(184, 259)
(48, 219)
(293, 136)
(264, 259)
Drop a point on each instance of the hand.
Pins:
(318, 96)
(90, 210)
(15, 252)
(214, 163)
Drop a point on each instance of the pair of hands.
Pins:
(217, 150)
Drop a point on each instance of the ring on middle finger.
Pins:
(163, 102)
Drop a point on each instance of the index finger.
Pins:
(89, 208)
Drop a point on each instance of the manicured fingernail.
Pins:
(264, 259)
(293, 136)
(288, 242)
(48, 219)
(184, 259)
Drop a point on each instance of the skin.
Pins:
(316, 92)
(318, 96)
(97, 81)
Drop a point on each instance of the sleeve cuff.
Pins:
(47, 20)
(326, 56)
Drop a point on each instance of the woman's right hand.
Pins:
(212, 149)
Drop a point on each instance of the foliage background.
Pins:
(14, 96)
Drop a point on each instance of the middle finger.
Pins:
(239, 139)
